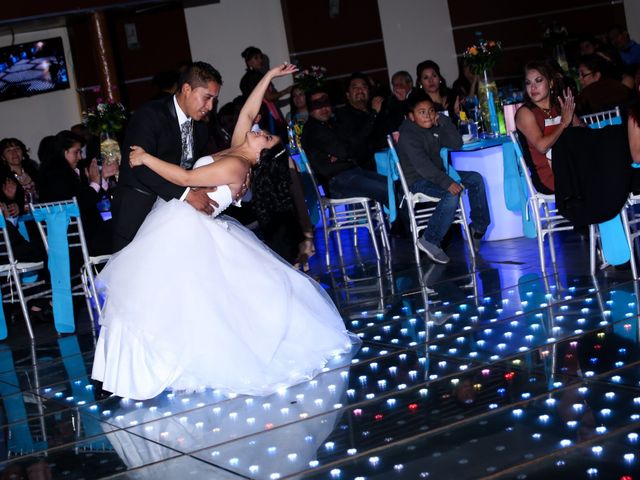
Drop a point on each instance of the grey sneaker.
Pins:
(434, 252)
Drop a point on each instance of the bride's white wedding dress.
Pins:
(196, 301)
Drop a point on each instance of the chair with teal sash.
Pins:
(543, 208)
(61, 229)
(603, 119)
(348, 214)
(614, 236)
(13, 274)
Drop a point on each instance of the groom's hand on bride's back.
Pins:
(198, 199)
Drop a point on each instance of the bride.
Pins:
(197, 301)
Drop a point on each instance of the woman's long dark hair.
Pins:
(270, 181)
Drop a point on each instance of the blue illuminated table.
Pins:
(487, 157)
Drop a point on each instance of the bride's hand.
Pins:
(282, 70)
(136, 156)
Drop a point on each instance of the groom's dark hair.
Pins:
(198, 74)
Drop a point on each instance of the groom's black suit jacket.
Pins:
(154, 127)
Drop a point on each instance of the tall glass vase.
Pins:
(488, 101)
(560, 56)
(109, 148)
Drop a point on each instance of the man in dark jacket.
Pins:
(330, 157)
(359, 124)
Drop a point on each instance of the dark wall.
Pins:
(350, 41)
(163, 45)
(520, 26)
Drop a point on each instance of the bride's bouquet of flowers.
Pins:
(107, 117)
(482, 56)
(311, 78)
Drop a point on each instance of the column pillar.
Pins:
(106, 66)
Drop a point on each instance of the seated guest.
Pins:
(25, 171)
(91, 146)
(598, 91)
(18, 179)
(628, 49)
(330, 156)
(542, 119)
(358, 123)
(298, 111)
(432, 83)
(395, 107)
(467, 81)
(46, 149)
(62, 179)
(422, 135)
(24, 250)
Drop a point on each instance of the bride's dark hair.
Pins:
(270, 180)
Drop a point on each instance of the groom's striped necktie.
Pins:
(186, 131)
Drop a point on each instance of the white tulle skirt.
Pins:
(196, 302)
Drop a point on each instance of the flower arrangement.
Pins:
(311, 78)
(105, 118)
(482, 56)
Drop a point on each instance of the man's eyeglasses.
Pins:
(584, 75)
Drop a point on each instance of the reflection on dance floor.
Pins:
(498, 373)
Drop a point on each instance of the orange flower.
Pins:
(473, 51)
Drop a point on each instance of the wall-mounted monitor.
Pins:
(31, 68)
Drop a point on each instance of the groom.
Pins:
(169, 128)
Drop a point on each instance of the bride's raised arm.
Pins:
(232, 170)
(251, 107)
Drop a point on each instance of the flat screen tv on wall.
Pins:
(31, 68)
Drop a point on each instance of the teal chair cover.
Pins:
(444, 155)
(385, 165)
(516, 194)
(3, 320)
(57, 219)
(307, 184)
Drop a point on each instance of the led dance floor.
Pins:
(502, 374)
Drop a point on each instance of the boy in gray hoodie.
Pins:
(422, 135)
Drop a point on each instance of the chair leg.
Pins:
(372, 230)
(383, 229)
(325, 233)
(552, 249)
(339, 242)
(541, 252)
(23, 303)
(627, 233)
(467, 231)
(90, 290)
(592, 249)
